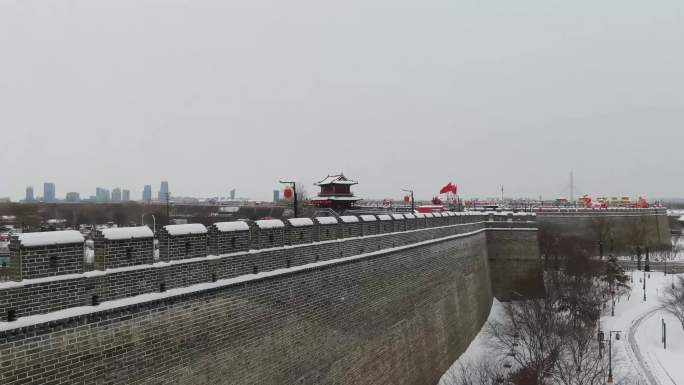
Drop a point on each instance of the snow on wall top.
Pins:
(368, 218)
(681, 219)
(349, 219)
(300, 222)
(48, 238)
(436, 214)
(384, 217)
(269, 224)
(187, 229)
(419, 215)
(398, 216)
(429, 215)
(410, 216)
(118, 233)
(327, 220)
(225, 227)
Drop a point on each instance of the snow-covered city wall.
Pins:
(393, 307)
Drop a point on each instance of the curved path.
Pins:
(644, 363)
(634, 346)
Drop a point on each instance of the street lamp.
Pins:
(294, 193)
(413, 202)
(601, 340)
(154, 222)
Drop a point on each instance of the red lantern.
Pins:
(288, 193)
(407, 198)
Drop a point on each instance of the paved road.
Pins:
(641, 361)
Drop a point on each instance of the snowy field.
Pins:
(638, 357)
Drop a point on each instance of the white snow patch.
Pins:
(48, 238)
(349, 219)
(269, 224)
(118, 233)
(369, 218)
(398, 216)
(326, 220)
(225, 227)
(300, 222)
(190, 228)
(384, 217)
(410, 216)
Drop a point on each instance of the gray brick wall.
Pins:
(226, 242)
(111, 254)
(297, 235)
(398, 318)
(174, 247)
(44, 261)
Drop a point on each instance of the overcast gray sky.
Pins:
(212, 95)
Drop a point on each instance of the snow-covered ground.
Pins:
(640, 354)
(478, 349)
(638, 357)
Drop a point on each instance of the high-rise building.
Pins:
(29, 194)
(126, 195)
(116, 194)
(164, 194)
(102, 195)
(232, 194)
(276, 195)
(147, 193)
(49, 192)
(73, 197)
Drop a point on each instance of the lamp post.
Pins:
(154, 222)
(644, 285)
(413, 202)
(610, 350)
(294, 193)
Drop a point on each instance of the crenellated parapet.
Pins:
(51, 271)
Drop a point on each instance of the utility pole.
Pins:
(502, 194)
(294, 193)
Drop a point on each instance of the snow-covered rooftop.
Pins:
(187, 229)
(349, 219)
(50, 238)
(327, 220)
(335, 198)
(300, 222)
(225, 227)
(118, 233)
(336, 179)
(269, 223)
(368, 218)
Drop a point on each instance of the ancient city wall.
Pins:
(390, 308)
(627, 228)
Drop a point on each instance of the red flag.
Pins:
(454, 189)
(448, 188)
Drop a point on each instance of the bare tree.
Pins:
(553, 339)
(484, 372)
(673, 301)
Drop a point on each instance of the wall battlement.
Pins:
(370, 306)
